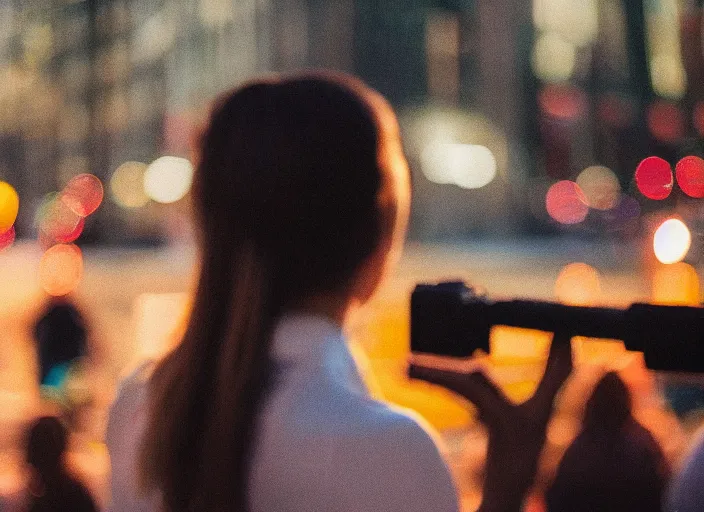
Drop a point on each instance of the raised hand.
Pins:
(516, 431)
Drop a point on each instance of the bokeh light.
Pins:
(61, 269)
(676, 284)
(665, 121)
(562, 102)
(566, 203)
(690, 176)
(654, 178)
(578, 284)
(9, 206)
(168, 179)
(465, 165)
(671, 241)
(83, 194)
(553, 58)
(127, 185)
(600, 186)
(7, 238)
(698, 117)
(57, 223)
(668, 76)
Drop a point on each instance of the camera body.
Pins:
(451, 319)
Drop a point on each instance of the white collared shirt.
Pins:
(322, 444)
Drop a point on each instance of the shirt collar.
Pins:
(300, 336)
(316, 341)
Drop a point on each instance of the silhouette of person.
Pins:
(53, 487)
(60, 333)
(614, 464)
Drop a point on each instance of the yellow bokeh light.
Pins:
(553, 58)
(168, 179)
(9, 206)
(676, 284)
(671, 241)
(578, 284)
(127, 185)
(576, 21)
(600, 186)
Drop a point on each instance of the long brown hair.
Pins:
(291, 196)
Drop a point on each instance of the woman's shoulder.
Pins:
(397, 465)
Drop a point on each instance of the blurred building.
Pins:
(498, 99)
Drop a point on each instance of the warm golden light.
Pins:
(671, 241)
(600, 186)
(578, 284)
(168, 179)
(676, 284)
(127, 185)
(61, 269)
(9, 206)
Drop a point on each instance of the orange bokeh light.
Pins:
(83, 194)
(566, 203)
(61, 269)
(654, 178)
(690, 176)
(9, 206)
(578, 284)
(676, 284)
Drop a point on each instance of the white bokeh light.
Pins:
(465, 165)
(168, 179)
(671, 241)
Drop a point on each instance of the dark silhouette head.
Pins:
(61, 335)
(301, 198)
(46, 444)
(609, 407)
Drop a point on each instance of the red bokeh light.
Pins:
(561, 102)
(61, 269)
(7, 238)
(59, 224)
(698, 117)
(83, 194)
(566, 203)
(654, 178)
(665, 121)
(690, 176)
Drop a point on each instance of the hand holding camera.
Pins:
(516, 431)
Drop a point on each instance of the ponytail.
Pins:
(289, 197)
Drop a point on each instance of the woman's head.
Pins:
(301, 199)
(307, 173)
(46, 444)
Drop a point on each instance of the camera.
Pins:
(452, 319)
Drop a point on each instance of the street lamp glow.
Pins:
(168, 179)
(671, 241)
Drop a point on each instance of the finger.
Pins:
(475, 387)
(557, 369)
